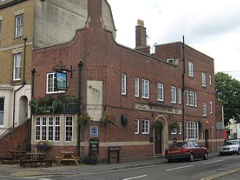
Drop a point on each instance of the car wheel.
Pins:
(238, 151)
(205, 156)
(191, 158)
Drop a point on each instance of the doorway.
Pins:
(158, 141)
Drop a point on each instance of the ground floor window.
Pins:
(192, 130)
(48, 128)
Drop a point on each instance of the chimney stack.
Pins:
(141, 35)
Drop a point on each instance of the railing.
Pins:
(7, 131)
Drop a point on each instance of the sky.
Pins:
(209, 26)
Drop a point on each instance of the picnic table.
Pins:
(34, 159)
(67, 156)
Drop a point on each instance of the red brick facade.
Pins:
(104, 60)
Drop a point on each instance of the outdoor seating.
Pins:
(35, 160)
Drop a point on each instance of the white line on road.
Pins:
(179, 168)
(213, 162)
(136, 177)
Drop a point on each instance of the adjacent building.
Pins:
(77, 71)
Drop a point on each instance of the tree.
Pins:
(228, 93)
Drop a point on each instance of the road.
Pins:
(224, 167)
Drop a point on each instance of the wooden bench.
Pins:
(35, 162)
(8, 160)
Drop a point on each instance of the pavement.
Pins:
(14, 170)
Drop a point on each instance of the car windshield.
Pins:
(230, 142)
(179, 144)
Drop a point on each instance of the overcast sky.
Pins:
(209, 26)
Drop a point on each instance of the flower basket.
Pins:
(43, 146)
(158, 124)
(84, 120)
(108, 119)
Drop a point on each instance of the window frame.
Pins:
(136, 126)
(145, 126)
(17, 66)
(2, 103)
(204, 109)
(145, 88)
(211, 107)
(19, 25)
(123, 84)
(204, 80)
(160, 92)
(137, 90)
(69, 137)
(179, 96)
(210, 80)
(173, 93)
(50, 84)
(190, 69)
(192, 130)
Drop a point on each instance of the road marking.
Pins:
(221, 174)
(136, 177)
(182, 167)
(213, 161)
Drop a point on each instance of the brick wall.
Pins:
(18, 139)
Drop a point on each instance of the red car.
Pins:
(186, 150)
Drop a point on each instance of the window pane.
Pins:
(136, 126)
(69, 129)
(123, 84)
(160, 92)
(19, 25)
(17, 66)
(145, 88)
(136, 87)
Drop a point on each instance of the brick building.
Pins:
(174, 86)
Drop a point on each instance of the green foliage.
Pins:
(84, 120)
(228, 93)
(108, 119)
(158, 124)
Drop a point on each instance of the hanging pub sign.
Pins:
(61, 81)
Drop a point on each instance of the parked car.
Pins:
(186, 150)
(231, 146)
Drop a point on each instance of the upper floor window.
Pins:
(211, 107)
(204, 109)
(123, 84)
(145, 127)
(51, 84)
(190, 69)
(145, 88)
(203, 79)
(136, 87)
(179, 95)
(1, 111)
(19, 25)
(160, 92)
(191, 98)
(0, 28)
(136, 126)
(192, 130)
(173, 94)
(210, 80)
(17, 58)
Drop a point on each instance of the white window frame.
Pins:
(192, 130)
(179, 95)
(190, 69)
(68, 129)
(145, 88)
(50, 80)
(211, 107)
(204, 109)
(2, 100)
(210, 80)
(204, 79)
(136, 87)
(191, 98)
(17, 61)
(179, 127)
(123, 84)
(160, 91)
(47, 128)
(19, 25)
(174, 130)
(145, 127)
(136, 126)
(173, 94)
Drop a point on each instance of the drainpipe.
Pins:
(23, 82)
(183, 88)
(80, 64)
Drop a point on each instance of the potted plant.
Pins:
(91, 158)
(108, 119)
(41, 104)
(43, 146)
(84, 120)
(158, 124)
(66, 100)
